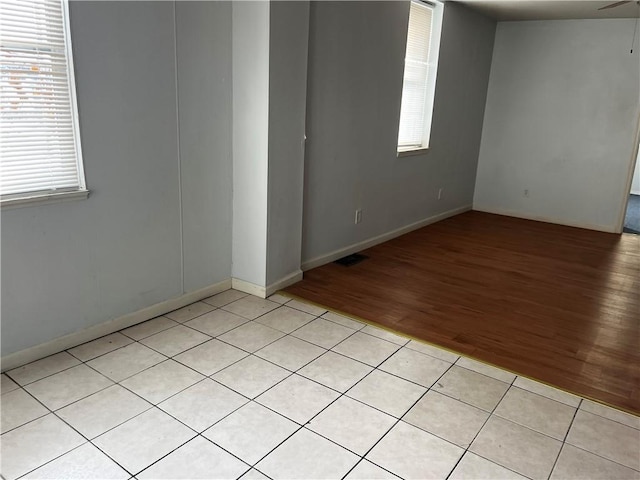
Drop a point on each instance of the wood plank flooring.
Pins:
(557, 304)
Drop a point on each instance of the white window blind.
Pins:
(39, 144)
(417, 68)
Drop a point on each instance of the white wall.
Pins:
(635, 183)
(250, 140)
(560, 121)
(288, 47)
(356, 62)
(69, 266)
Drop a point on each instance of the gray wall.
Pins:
(356, 55)
(70, 266)
(287, 103)
(560, 121)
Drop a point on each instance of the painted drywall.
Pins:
(560, 121)
(288, 46)
(203, 39)
(250, 140)
(356, 62)
(69, 266)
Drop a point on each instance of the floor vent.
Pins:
(351, 259)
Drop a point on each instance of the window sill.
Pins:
(43, 199)
(413, 151)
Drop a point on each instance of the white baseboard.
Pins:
(540, 218)
(248, 287)
(56, 345)
(264, 292)
(284, 282)
(356, 247)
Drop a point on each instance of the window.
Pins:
(39, 141)
(420, 66)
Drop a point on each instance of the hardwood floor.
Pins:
(557, 304)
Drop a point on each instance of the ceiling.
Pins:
(511, 10)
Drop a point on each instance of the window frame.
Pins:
(437, 11)
(80, 191)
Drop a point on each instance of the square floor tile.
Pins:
(366, 470)
(8, 385)
(412, 453)
(84, 462)
(473, 467)
(17, 408)
(314, 310)
(98, 347)
(68, 386)
(251, 307)
(143, 440)
(175, 340)
(228, 296)
(279, 298)
(433, 351)
(385, 335)
(517, 448)
(307, 455)
(352, 424)
(285, 319)
(197, 459)
(297, 398)
(547, 391)
(536, 412)
(366, 348)
(203, 404)
(343, 320)
(102, 411)
(610, 413)
(217, 322)
(251, 432)
(386, 392)
(43, 368)
(148, 328)
(323, 333)
(251, 336)
(447, 418)
(189, 312)
(223, 298)
(290, 352)
(577, 464)
(126, 361)
(36, 443)
(251, 376)
(415, 367)
(606, 438)
(471, 387)
(336, 371)
(254, 474)
(486, 369)
(162, 381)
(211, 357)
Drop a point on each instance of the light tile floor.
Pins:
(239, 387)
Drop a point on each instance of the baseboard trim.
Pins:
(356, 247)
(248, 287)
(56, 345)
(284, 282)
(540, 218)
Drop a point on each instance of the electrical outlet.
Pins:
(439, 194)
(358, 216)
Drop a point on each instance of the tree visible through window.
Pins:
(39, 142)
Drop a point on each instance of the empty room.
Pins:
(319, 239)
